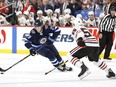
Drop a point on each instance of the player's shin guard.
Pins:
(84, 70)
(104, 67)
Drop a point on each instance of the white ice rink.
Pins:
(30, 73)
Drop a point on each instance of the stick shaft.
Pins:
(55, 68)
(16, 63)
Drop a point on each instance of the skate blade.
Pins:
(105, 60)
(85, 75)
(113, 77)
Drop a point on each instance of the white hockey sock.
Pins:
(76, 62)
(101, 65)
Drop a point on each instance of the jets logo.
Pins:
(43, 40)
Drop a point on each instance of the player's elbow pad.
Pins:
(80, 42)
(28, 45)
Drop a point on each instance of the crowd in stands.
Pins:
(51, 12)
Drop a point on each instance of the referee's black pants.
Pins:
(106, 40)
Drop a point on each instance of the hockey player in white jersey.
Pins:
(87, 45)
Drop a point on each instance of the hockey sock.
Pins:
(60, 60)
(102, 65)
(52, 58)
(76, 62)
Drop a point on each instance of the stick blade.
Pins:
(2, 70)
(46, 73)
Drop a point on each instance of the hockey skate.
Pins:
(111, 74)
(84, 72)
(62, 67)
(67, 68)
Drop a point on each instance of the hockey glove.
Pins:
(32, 52)
(50, 41)
(80, 42)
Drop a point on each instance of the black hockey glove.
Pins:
(80, 42)
(32, 52)
(50, 41)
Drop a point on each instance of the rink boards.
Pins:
(11, 40)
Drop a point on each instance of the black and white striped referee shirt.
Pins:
(108, 23)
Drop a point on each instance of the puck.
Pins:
(2, 73)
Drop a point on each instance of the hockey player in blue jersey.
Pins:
(40, 41)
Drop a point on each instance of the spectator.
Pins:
(50, 17)
(27, 20)
(40, 16)
(3, 21)
(101, 16)
(76, 6)
(106, 6)
(68, 20)
(39, 3)
(34, 3)
(80, 17)
(84, 5)
(93, 4)
(59, 17)
(91, 20)
(45, 6)
(58, 5)
(19, 5)
(4, 10)
(28, 7)
(113, 3)
(67, 4)
(20, 18)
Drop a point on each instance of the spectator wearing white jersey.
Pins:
(92, 21)
(3, 21)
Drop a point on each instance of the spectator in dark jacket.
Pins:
(58, 5)
(66, 5)
(45, 6)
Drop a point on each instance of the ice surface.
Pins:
(31, 73)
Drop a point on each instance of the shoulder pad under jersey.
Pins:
(33, 31)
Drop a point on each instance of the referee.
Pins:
(107, 26)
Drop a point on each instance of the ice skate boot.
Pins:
(84, 72)
(61, 68)
(67, 68)
(111, 74)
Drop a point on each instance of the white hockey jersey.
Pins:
(88, 38)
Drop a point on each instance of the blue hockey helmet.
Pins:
(38, 23)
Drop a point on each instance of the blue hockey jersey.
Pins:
(39, 39)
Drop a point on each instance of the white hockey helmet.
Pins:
(39, 12)
(79, 16)
(90, 13)
(67, 11)
(49, 11)
(18, 13)
(57, 11)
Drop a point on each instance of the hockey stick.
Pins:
(94, 13)
(55, 67)
(4, 70)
